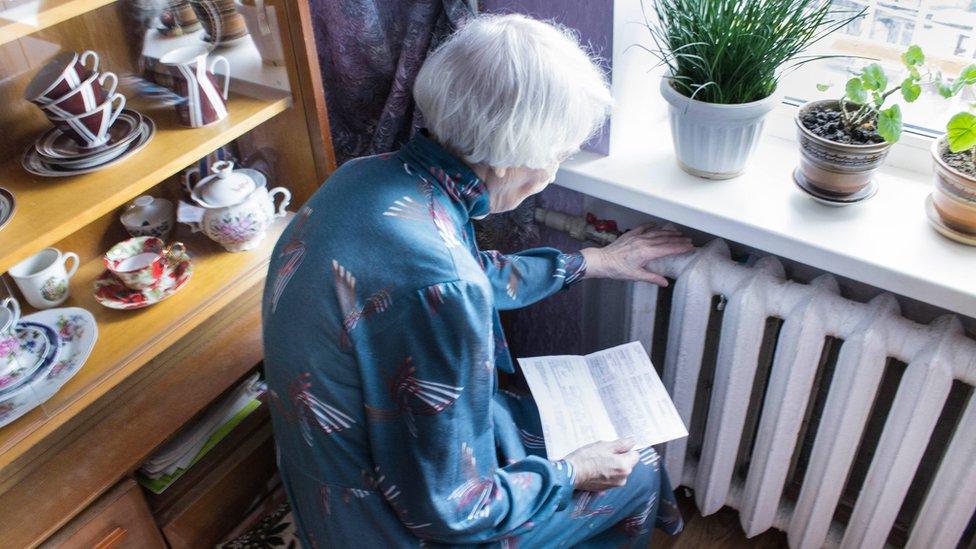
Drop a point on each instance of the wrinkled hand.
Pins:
(626, 257)
(603, 465)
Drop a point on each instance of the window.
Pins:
(945, 29)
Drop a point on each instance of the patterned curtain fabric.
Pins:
(370, 53)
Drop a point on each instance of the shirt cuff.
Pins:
(567, 472)
(574, 265)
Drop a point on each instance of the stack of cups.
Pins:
(76, 98)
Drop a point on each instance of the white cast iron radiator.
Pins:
(748, 441)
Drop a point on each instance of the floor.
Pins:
(718, 531)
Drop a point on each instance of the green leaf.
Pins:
(873, 77)
(823, 87)
(913, 72)
(968, 75)
(910, 89)
(913, 56)
(945, 90)
(889, 123)
(961, 132)
(855, 91)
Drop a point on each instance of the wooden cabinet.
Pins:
(154, 369)
(118, 520)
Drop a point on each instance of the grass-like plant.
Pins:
(734, 51)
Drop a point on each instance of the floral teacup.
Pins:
(9, 342)
(138, 262)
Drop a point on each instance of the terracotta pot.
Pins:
(955, 193)
(831, 168)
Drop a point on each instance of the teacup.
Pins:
(87, 96)
(90, 129)
(139, 262)
(43, 277)
(9, 342)
(61, 75)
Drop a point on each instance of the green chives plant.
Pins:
(734, 51)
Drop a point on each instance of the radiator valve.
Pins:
(589, 228)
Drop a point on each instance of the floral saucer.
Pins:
(39, 347)
(77, 332)
(112, 293)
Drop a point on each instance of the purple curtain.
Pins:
(370, 53)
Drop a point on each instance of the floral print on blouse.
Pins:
(382, 345)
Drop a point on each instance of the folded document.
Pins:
(610, 394)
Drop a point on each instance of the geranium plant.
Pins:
(961, 129)
(862, 107)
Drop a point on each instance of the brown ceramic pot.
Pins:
(835, 169)
(955, 193)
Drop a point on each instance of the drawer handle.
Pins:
(112, 539)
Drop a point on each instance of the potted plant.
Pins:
(844, 141)
(952, 206)
(724, 60)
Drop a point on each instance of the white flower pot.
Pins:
(713, 140)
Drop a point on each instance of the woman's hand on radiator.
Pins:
(603, 465)
(626, 257)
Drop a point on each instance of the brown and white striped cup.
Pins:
(192, 80)
(60, 76)
(90, 129)
(86, 97)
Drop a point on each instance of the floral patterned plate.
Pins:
(76, 330)
(39, 347)
(112, 293)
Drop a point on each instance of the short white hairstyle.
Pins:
(509, 91)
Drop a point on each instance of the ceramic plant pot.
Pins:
(713, 140)
(835, 170)
(955, 194)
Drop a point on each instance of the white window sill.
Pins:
(885, 242)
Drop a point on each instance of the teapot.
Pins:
(236, 208)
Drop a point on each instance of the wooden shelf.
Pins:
(79, 200)
(29, 17)
(129, 339)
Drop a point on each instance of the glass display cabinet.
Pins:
(104, 102)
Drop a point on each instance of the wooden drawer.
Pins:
(120, 519)
(206, 513)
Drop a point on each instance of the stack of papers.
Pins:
(200, 436)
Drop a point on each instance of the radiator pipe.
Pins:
(598, 231)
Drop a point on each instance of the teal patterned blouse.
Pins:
(382, 343)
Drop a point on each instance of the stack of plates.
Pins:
(54, 154)
(7, 206)
(54, 345)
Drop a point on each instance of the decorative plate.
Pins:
(77, 332)
(39, 347)
(112, 293)
(833, 200)
(939, 225)
(7, 206)
(34, 163)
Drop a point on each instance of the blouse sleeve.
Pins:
(522, 278)
(428, 382)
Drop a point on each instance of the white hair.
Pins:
(510, 91)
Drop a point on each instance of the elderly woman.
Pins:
(381, 327)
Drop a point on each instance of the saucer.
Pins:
(36, 164)
(54, 144)
(75, 329)
(830, 199)
(939, 225)
(112, 293)
(39, 348)
(7, 206)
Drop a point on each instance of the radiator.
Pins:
(766, 429)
